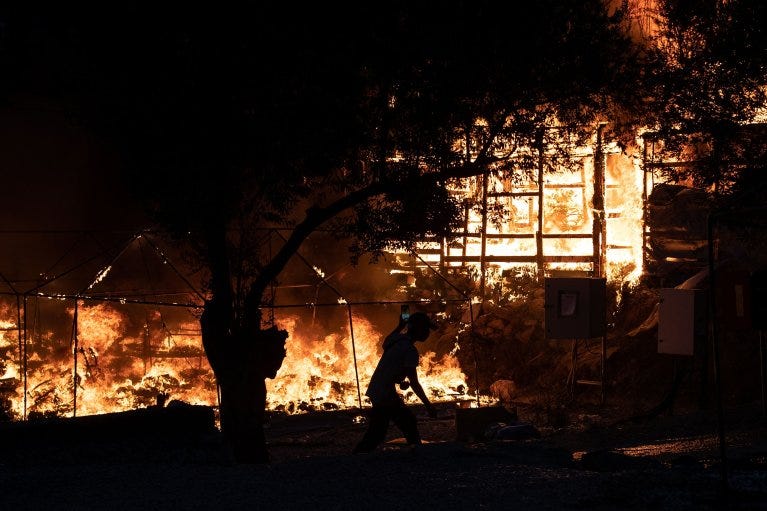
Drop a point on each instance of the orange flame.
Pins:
(117, 370)
(319, 371)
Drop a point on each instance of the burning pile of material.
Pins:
(117, 363)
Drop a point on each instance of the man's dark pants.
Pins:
(379, 418)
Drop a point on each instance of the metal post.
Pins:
(21, 346)
(574, 365)
(715, 349)
(74, 364)
(602, 371)
(354, 355)
(762, 370)
(644, 202)
(598, 201)
(474, 353)
(483, 234)
(24, 358)
(539, 232)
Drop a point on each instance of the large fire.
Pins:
(97, 357)
(546, 222)
(110, 363)
(320, 372)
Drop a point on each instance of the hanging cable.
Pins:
(351, 320)
(167, 261)
(67, 272)
(65, 254)
(467, 298)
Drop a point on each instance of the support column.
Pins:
(75, 346)
(539, 232)
(483, 236)
(598, 202)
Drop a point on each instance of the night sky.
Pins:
(61, 173)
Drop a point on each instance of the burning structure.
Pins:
(121, 342)
(585, 215)
(112, 345)
(569, 207)
(89, 338)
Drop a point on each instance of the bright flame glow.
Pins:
(319, 371)
(119, 363)
(555, 225)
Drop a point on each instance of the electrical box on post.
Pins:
(681, 320)
(575, 307)
(733, 299)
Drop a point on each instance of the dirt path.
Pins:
(669, 463)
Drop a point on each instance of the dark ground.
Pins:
(671, 461)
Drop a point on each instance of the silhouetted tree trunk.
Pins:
(242, 356)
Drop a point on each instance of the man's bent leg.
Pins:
(405, 420)
(376, 432)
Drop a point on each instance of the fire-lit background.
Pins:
(109, 330)
(99, 319)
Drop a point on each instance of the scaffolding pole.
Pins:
(74, 360)
(539, 231)
(354, 355)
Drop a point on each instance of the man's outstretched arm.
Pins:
(412, 376)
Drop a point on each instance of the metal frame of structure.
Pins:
(598, 235)
(540, 259)
(22, 299)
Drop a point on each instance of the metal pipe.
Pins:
(598, 201)
(74, 363)
(539, 232)
(483, 240)
(354, 355)
(21, 342)
(762, 371)
(711, 221)
(167, 261)
(24, 358)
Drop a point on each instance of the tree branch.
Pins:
(315, 217)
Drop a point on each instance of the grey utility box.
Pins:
(681, 320)
(575, 307)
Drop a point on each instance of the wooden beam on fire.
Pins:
(521, 259)
(673, 164)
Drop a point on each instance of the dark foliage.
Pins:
(237, 118)
(707, 85)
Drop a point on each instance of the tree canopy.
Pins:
(706, 86)
(277, 115)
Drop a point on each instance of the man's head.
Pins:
(419, 326)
